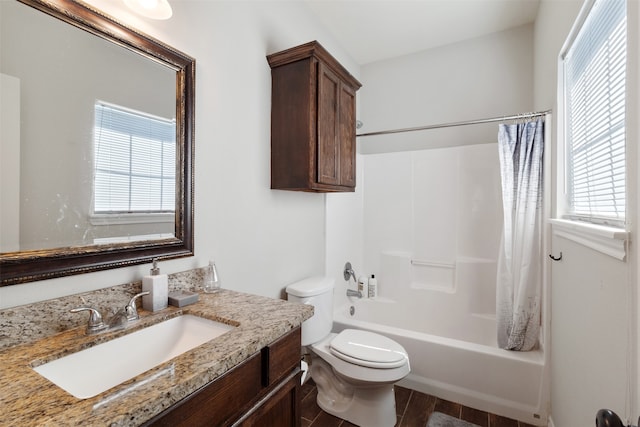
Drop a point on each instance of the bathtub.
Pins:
(453, 361)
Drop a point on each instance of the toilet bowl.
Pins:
(364, 356)
(354, 370)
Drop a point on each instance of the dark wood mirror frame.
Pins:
(29, 266)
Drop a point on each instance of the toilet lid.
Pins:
(368, 349)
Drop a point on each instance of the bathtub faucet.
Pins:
(349, 273)
(354, 293)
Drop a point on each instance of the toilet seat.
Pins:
(356, 371)
(368, 349)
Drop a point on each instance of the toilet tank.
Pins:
(318, 292)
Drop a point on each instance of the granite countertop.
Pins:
(28, 399)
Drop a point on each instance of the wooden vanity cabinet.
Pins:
(313, 121)
(262, 391)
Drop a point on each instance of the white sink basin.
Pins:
(89, 372)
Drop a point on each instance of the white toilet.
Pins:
(354, 370)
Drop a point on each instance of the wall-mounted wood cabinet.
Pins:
(313, 121)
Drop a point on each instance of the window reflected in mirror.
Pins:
(134, 175)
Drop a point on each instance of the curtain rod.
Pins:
(464, 123)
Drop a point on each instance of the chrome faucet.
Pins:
(131, 309)
(349, 273)
(128, 313)
(354, 293)
(96, 324)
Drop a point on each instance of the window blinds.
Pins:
(594, 72)
(135, 161)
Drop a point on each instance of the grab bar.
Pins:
(433, 264)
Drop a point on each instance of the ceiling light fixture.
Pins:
(154, 9)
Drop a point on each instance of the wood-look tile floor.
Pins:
(413, 410)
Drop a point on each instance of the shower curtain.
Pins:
(518, 290)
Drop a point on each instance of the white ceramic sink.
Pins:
(90, 372)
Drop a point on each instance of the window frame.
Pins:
(607, 238)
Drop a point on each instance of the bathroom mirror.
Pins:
(82, 96)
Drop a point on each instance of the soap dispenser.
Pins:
(158, 287)
(211, 281)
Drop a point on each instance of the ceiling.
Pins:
(374, 30)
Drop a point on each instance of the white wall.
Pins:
(592, 295)
(484, 77)
(260, 239)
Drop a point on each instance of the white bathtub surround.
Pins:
(463, 310)
(437, 205)
(519, 262)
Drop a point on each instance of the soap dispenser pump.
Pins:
(158, 287)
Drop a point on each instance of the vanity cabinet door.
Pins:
(262, 391)
(280, 409)
(281, 376)
(219, 402)
(313, 121)
(281, 357)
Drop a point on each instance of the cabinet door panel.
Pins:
(347, 136)
(217, 403)
(293, 127)
(280, 357)
(328, 121)
(281, 409)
